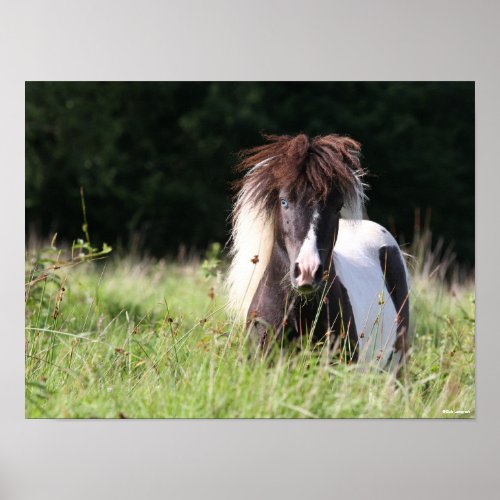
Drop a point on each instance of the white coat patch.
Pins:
(356, 260)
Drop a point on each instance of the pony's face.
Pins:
(308, 232)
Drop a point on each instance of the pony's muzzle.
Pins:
(307, 274)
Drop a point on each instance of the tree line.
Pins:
(155, 159)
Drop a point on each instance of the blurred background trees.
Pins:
(155, 159)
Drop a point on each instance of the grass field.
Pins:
(136, 338)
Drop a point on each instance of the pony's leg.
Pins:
(396, 282)
(341, 321)
(261, 335)
(267, 315)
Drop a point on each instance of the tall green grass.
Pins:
(129, 337)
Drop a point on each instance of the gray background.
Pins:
(252, 40)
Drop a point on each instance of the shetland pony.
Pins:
(304, 262)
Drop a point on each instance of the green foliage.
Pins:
(212, 263)
(149, 338)
(156, 158)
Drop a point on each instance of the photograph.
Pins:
(249, 250)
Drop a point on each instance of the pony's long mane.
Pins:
(291, 163)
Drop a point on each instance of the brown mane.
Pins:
(293, 163)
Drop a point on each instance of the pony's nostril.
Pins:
(296, 270)
(318, 275)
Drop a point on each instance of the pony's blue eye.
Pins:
(284, 203)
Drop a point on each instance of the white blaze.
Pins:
(308, 258)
